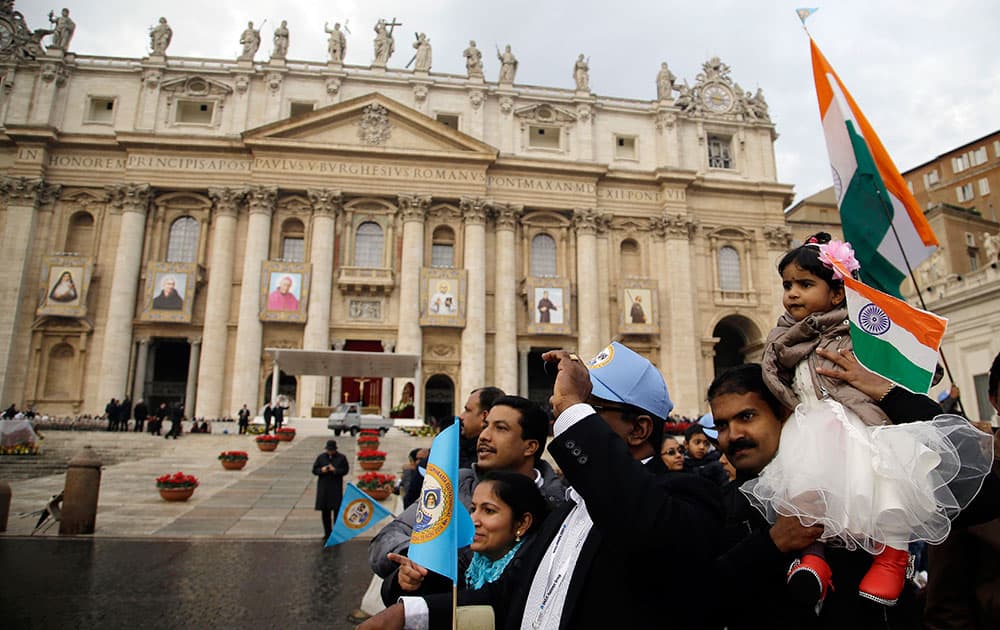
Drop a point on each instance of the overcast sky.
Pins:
(926, 74)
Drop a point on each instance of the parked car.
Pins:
(348, 416)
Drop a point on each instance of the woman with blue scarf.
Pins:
(506, 508)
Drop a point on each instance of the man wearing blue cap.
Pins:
(609, 558)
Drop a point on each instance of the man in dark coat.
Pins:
(124, 412)
(268, 416)
(176, 415)
(751, 571)
(244, 417)
(330, 467)
(141, 412)
(111, 412)
(278, 413)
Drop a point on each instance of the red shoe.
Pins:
(884, 581)
(809, 579)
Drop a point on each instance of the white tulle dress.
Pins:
(870, 487)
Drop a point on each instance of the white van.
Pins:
(348, 417)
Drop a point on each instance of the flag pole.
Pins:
(920, 296)
(454, 605)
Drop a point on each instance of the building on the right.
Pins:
(961, 281)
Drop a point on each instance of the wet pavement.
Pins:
(210, 583)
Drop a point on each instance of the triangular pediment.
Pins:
(367, 123)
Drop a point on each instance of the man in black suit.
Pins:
(268, 416)
(279, 416)
(244, 418)
(614, 556)
(330, 466)
(141, 413)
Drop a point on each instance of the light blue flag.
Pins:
(804, 13)
(443, 525)
(358, 512)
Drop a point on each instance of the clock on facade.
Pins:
(717, 98)
(6, 34)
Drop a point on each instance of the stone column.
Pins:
(677, 312)
(522, 381)
(326, 204)
(132, 202)
(190, 390)
(409, 337)
(604, 281)
(338, 382)
(275, 382)
(587, 293)
(249, 332)
(474, 335)
(387, 346)
(22, 196)
(139, 383)
(505, 361)
(218, 302)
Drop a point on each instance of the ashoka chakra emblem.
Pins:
(873, 320)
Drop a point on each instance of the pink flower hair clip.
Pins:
(841, 253)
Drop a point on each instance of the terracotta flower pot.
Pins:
(176, 494)
(285, 437)
(267, 446)
(372, 464)
(233, 464)
(380, 493)
(368, 444)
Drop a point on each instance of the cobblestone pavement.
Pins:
(106, 583)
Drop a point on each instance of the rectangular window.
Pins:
(297, 109)
(442, 255)
(719, 155)
(625, 147)
(931, 178)
(978, 156)
(195, 112)
(984, 187)
(448, 120)
(543, 137)
(960, 163)
(964, 192)
(973, 261)
(996, 148)
(100, 109)
(909, 185)
(293, 249)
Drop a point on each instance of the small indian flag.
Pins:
(892, 338)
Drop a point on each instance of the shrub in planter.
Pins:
(176, 487)
(285, 434)
(233, 460)
(377, 485)
(371, 459)
(267, 442)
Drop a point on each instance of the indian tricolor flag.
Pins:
(877, 211)
(892, 338)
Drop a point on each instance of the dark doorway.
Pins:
(287, 385)
(439, 399)
(363, 387)
(539, 382)
(735, 335)
(167, 379)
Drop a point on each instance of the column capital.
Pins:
(326, 202)
(506, 216)
(261, 199)
(388, 346)
(338, 344)
(413, 207)
(28, 191)
(674, 226)
(227, 200)
(586, 220)
(474, 210)
(778, 236)
(130, 198)
(194, 341)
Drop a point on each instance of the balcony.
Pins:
(365, 280)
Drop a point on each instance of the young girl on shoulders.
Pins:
(841, 462)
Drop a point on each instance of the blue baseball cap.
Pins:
(707, 422)
(618, 374)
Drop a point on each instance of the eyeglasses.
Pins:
(670, 451)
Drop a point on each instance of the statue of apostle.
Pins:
(159, 37)
(422, 60)
(62, 29)
(508, 65)
(280, 41)
(581, 74)
(250, 39)
(337, 44)
(473, 60)
(385, 44)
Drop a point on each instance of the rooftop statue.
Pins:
(665, 83)
(337, 44)
(581, 74)
(250, 39)
(422, 60)
(473, 60)
(62, 30)
(160, 36)
(385, 44)
(280, 41)
(508, 64)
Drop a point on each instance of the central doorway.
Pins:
(439, 399)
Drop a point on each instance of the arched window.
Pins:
(182, 246)
(80, 235)
(630, 260)
(543, 256)
(368, 245)
(443, 247)
(293, 241)
(730, 278)
(60, 371)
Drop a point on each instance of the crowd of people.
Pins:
(795, 506)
